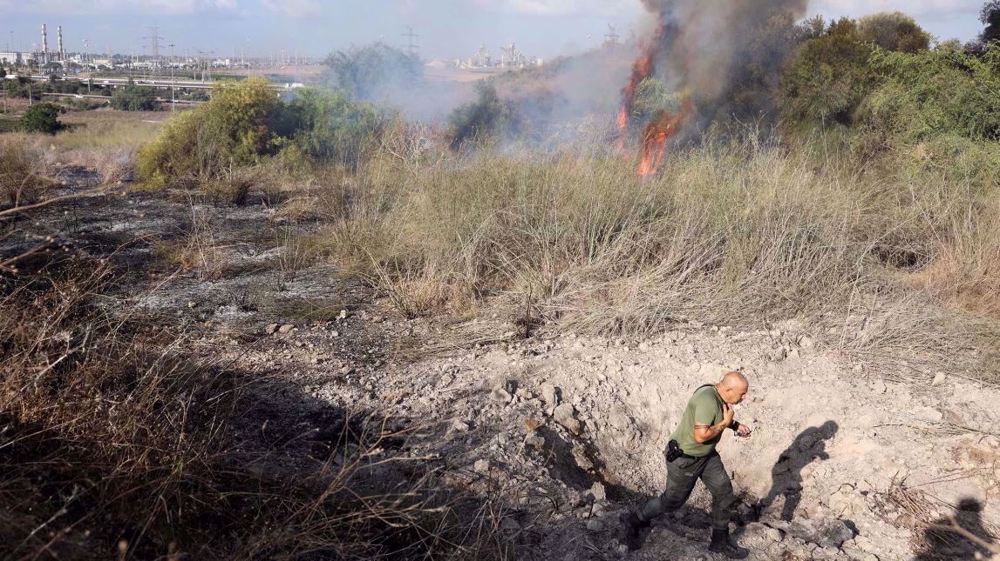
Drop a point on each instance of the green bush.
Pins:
(370, 71)
(829, 76)
(482, 119)
(327, 126)
(134, 98)
(42, 117)
(246, 124)
(894, 32)
(927, 94)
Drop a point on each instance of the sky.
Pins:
(446, 29)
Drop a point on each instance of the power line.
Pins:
(411, 41)
(154, 39)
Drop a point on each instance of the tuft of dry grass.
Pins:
(22, 171)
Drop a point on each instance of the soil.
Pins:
(570, 429)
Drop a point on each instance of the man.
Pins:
(708, 414)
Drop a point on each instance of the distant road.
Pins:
(160, 83)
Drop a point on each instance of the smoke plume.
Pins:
(725, 55)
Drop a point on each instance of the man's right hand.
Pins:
(727, 415)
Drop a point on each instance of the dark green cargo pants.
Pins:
(682, 474)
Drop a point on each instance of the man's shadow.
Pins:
(941, 543)
(786, 475)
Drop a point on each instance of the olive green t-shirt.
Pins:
(704, 408)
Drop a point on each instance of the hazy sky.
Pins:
(446, 28)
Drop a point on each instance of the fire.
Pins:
(656, 135)
(642, 68)
(664, 124)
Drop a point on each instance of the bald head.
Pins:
(733, 387)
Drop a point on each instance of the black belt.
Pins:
(674, 452)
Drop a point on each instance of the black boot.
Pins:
(633, 529)
(722, 544)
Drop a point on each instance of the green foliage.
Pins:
(326, 126)
(371, 71)
(928, 94)
(829, 76)
(230, 131)
(42, 117)
(134, 98)
(651, 97)
(482, 119)
(894, 32)
(246, 124)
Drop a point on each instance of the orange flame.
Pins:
(664, 124)
(656, 135)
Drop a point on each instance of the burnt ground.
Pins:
(565, 431)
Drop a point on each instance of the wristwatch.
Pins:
(735, 425)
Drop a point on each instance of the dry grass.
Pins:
(22, 171)
(742, 234)
(108, 129)
(116, 444)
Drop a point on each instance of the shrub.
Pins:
(327, 126)
(231, 130)
(42, 117)
(21, 178)
(927, 94)
(483, 119)
(894, 32)
(134, 98)
(828, 77)
(372, 71)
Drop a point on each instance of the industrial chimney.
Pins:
(62, 52)
(45, 45)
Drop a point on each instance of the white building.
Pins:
(10, 58)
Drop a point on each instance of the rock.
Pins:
(271, 328)
(939, 379)
(535, 440)
(598, 491)
(550, 395)
(806, 342)
(342, 315)
(595, 525)
(500, 395)
(460, 426)
(481, 466)
(777, 354)
(855, 554)
(826, 533)
(581, 459)
(285, 329)
(564, 415)
(619, 419)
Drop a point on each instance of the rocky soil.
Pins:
(843, 463)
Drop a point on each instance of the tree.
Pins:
(990, 16)
(374, 72)
(482, 119)
(894, 32)
(829, 76)
(42, 117)
(134, 98)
